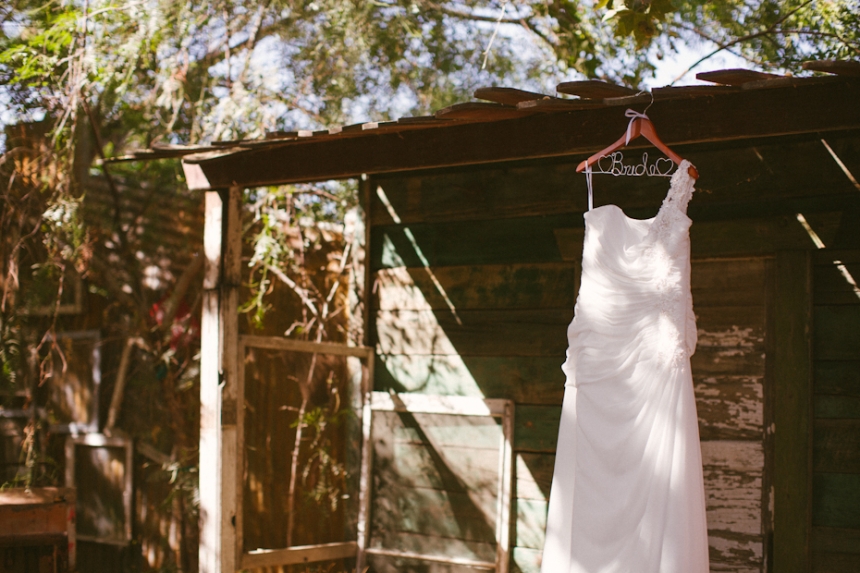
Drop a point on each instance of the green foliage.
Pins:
(770, 34)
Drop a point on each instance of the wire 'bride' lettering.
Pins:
(613, 164)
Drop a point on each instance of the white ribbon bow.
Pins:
(633, 115)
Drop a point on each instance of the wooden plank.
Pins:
(538, 332)
(836, 500)
(507, 96)
(522, 240)
(523, 285)
(594, 89)
(734, 76)
(444, 405)
(425, 511)
(835, 563)
(554, 105)
(534, 476)
(296, 555)
(838, 67)
(536, 428)
(836, 446)
(733, 487)
(523, 379)
(756, 236)
(730, 282)
(792, 412)
(765, 113)
(429, 549)
(788, 81)
(535, 240)
(837, 407)
(835, 540)
(826, 257)
(738, 555)
(730, 407)
(836, 283)
(526, 560)
(33, 522)
(462, 435)
(530, 529)
(470, 471)
(747, 177)
(837, 333)
(839, 377)
(670, 92)
(476, 111)
(553, 284)
(741, 328)
(290, 345)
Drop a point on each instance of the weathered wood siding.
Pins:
(836, 412)
(475, 274)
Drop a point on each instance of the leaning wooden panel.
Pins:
(434, 488)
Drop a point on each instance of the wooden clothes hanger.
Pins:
(639, 125)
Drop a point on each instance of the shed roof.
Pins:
(513, 124)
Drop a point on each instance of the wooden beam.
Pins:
(220, 386)
(739, 115)
(298, 555)
(478, 111)
(792, 476)
(210, 394)
(289, 345)
(734, 76)
(232, 392)
(433, 404)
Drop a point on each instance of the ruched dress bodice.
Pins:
(627, 493)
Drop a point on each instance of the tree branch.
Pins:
(467, 15)
(772, 29)
(302, 293)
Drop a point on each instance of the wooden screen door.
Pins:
(299, 435)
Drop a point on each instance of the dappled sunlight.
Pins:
(436, 476)
(843, 270)
(418, 252)
(841, 165)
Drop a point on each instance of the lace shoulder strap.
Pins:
(680, 188)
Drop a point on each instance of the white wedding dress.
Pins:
(627, 494)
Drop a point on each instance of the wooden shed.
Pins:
(474, 233)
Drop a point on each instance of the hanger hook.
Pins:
(650, 93)
(647, 107)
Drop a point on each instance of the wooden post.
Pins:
(219, 384)
(232, 394)
(792, 477)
